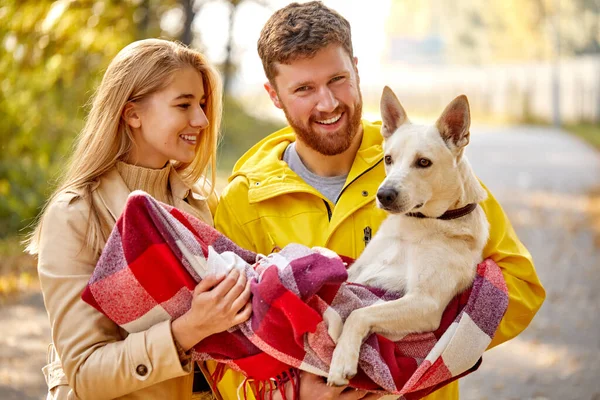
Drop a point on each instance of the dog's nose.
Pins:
(387, 196)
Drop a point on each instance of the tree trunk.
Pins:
(228, 64)
(186, 36)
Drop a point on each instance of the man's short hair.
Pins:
(300, 31)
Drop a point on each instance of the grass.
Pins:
(17, 269)
(593, 210)
(587, 131)
(591, 134)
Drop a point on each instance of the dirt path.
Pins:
(23, 343)
(542, 178)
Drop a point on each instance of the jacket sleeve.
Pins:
(227, 217)
(525, 292)
(98, 362)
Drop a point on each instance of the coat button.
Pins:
(142, 370)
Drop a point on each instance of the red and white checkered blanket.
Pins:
(157, 254)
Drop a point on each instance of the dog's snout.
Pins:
(387, 196)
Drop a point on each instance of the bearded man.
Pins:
(314, 182)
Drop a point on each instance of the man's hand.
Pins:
(314, 387)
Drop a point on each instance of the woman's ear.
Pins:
(131, 115)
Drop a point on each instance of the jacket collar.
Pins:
(265, 171)
(113, 192)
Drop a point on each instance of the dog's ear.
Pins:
(392, 113)
(454, 123)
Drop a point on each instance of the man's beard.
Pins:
(333, 143)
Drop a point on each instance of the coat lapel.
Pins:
(113, 192)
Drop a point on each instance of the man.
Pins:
(315, 181)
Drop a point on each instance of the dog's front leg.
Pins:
(344, 361)
(414, 312)
(409, 314)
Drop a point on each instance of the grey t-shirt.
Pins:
(330, 187)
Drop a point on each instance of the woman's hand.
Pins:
(315, 387)
(219, 302)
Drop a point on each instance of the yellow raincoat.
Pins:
(267, 206)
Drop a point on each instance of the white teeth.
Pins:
(189, 138)
(330, 120)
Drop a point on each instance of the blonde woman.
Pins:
(153, 126)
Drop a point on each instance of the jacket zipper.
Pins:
(329, 213)
(328, 210)
(354, 180)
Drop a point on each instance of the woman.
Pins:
(153, 126)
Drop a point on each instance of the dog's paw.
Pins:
(343, 366)
(336, 381)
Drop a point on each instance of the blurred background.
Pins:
(531, 70)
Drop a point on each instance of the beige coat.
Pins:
(100, 360)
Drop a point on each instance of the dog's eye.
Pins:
(388, 160)
(423, 163)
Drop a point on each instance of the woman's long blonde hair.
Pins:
(138, 70)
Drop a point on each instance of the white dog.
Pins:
(430, 244)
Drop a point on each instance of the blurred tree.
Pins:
(240, 132)
(505, 30)
(52, 56)
(189, 13)
(586, 20)
(228, 67)
(480, 32)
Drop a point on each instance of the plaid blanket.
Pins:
(157, 254)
